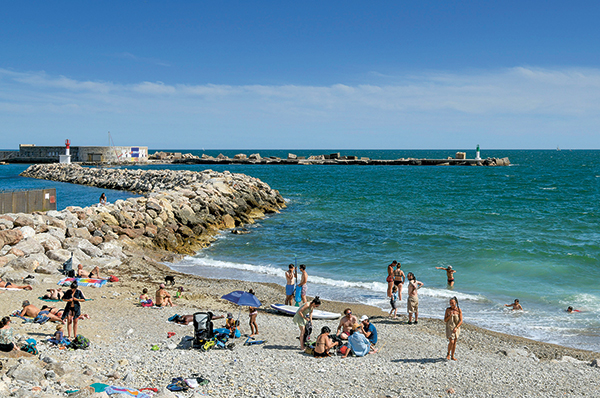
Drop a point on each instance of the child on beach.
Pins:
(145, 300)
(179, 292)
(58, 337)
(393, 301)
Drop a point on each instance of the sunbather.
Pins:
(163, 298)
(32, 311)
(9, 285)
(54, 294)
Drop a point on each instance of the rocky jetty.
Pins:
(181, 212)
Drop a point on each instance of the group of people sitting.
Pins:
(162, 298)
(358, 338)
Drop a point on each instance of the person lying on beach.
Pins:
(449, 274)
(187, 319)
(9, 285)
(570, 310)
(93, 274)
(515, 305)
(163, 298)
(324, 343)
(32, 311)
(345, 325)
(53, 294)
(53, 310)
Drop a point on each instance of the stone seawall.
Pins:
(181, 212)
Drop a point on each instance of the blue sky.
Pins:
(330, 75)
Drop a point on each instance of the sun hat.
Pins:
(364, 318)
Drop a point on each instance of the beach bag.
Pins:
(178, 384)
(310, 351)
(80, 343)
(308, 331)
(30, 347)
(113, 278)
(203, 328)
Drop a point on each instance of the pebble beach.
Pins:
(410, 362)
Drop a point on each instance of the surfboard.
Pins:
(317, 314)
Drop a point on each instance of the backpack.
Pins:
(203, 328)
(30, 347)
(80, 343)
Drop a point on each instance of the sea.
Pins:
(530, 231)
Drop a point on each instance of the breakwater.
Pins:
(326, 159)
(181, 212)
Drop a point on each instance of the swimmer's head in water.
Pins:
(570, 309)
(449, 267)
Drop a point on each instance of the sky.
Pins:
(301, 75)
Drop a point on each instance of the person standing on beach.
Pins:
(304, 316)
(413, 298)
(449, 274)
(399, 279)
(390, 277)
(302, 284)
(515, 305)
(453, 318)
(73, 297)
(289, 285)
(394, 309)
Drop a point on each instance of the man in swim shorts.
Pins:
(32, 311)
(413, 298)
(345, 326)
(289, 287)
(449, 274)
(303, 281)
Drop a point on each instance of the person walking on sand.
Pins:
(304, 316)
(449, 274)
(453, 318)
(390, 277)
(289, 285)
(344, 328)
(399, 280)
(73, 297)
(515, 305)
(302, 284)
(413, 297)
(163, 298)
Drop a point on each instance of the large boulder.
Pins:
(81, 233)
(48, 241)
(58, 233)
(28, 264)
(53, 267)
(82, 244)
(28, 232)
(29, 246)
(6, 259)
(60, 255)
(17, 277)
(10, 237)
(8, 224)
(26, 372)
(112, 250)
(23, 221)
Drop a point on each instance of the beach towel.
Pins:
(227, 332)
(9, 288)
(125, 391)
(17, 313)
(83, 282)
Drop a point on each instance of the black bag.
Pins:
(307, 331)
(203, 328)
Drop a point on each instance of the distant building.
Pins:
(91, 154)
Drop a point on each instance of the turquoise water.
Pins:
(528, 231)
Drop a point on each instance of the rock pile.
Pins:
(181, 213)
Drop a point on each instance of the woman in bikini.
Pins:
(399, 279)
(53, 294)
(253, 313)
(324, 343)
(8, 285)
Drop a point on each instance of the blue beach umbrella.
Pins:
(243, 299)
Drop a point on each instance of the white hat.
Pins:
(364, 318)
(449, 267)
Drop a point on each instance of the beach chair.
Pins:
(203, 328)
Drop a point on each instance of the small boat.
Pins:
(291, 310)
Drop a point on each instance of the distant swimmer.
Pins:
(515, 305)
(390, 277)
(570, 310)
(449, 273)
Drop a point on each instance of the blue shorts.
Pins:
(289, 290)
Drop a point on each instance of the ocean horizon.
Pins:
(527, 231)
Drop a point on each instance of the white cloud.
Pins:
(433, 109)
